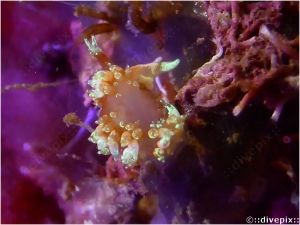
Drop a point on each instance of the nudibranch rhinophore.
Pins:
(134, 122)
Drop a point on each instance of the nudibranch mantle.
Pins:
(134, 122)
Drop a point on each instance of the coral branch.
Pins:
(278, 41)
(94, 30)
(102, 58)
(259, 82)
(83, 10)
(136, 19)
(250, 30)
(265, 5)
(276, 114)
(234, 22)
(244, 102)
(34, 87)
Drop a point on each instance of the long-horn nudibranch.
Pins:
(134, 122)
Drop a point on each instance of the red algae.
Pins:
(253, 56)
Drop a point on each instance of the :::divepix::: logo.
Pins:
(266, 219)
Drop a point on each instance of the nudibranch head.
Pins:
(134, 123)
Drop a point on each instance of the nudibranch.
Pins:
(134, 122)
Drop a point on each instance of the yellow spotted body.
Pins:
(134, 123)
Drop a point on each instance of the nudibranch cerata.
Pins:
(134, 122)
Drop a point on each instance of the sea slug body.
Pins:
(135, 122)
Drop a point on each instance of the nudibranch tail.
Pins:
(134, 123)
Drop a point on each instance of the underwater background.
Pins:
(237, 84)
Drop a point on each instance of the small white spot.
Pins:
(24, 170)
(26, 147)
(77, 188)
